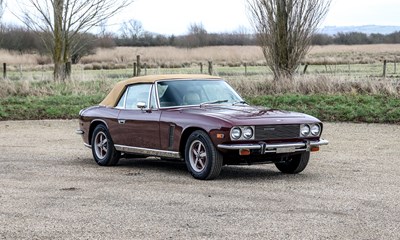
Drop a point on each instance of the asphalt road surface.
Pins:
(51, 188)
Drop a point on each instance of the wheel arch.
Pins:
(184, 137)
(93, 125)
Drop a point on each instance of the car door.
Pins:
(138, 126)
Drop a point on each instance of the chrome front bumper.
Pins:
(79, 132)
(276, 148)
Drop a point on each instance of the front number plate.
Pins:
(286, 150)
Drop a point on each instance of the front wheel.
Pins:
(294, 164)
(202, 159)
(103, 150)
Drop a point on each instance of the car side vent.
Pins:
(171, 137)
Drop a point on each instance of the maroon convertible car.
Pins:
(198, 119)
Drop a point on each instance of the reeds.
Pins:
(256, 85)
(172, 57)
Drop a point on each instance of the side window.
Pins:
(121, 103)
(137, 93)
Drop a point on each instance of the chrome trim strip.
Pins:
(79, 131)
(321, 142)
(99, 120)
(87, 145)
(148, 151)
(272, 148)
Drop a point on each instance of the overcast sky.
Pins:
(174, 16)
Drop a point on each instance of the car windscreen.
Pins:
(172, 93)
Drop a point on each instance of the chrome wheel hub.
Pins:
(197, 156)
(101, 145)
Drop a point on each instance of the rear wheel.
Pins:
(202, 159)
(103, 150)
(294, 164)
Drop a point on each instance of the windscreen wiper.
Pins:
(214, 102)
(240, 102)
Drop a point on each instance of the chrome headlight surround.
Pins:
(305, 130)
(242, 133)
(310, 130)
(236, 133)
(315, 129)
(248, 133)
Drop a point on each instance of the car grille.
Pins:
(276, 132)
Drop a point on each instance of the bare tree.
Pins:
(61, 23)
(132, 29)
(2, 7)
(284, 30)
(197, 35)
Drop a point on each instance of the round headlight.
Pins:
(236, 133)
(305, 130)
(315, 130)
(247, 132)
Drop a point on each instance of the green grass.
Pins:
(48, 107)
(328, 98)
(332, 108)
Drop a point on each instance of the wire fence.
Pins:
(82, 72)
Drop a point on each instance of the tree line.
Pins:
(356, 38)
(21, 39)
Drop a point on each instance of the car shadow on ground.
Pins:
(242, 173)
(139, 166)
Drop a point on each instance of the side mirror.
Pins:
(141, 105)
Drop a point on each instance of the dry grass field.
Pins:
(221, 55)
(237, 55)
(333, 69)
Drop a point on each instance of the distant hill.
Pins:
(368, 29)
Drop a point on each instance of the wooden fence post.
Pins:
(138, 64)
(384, 68)
(145, 69)
(210, 67)
(134, 69)
(395, 66)
(245, 69)
(201, 68)
(4, 70)
(305, 69)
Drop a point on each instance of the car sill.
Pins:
(148, 151)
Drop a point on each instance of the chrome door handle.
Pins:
(121, 121)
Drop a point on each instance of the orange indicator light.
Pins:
(244, 152)
(314, 149)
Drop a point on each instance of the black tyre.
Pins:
(294, 164)
(202, 159)
(103, 150)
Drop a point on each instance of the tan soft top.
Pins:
(119, 88)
